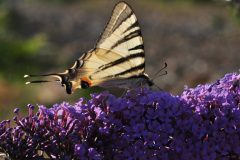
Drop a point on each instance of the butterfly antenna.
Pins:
(157, 73)
(163, 74)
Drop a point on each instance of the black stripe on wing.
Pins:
(140, 46)
(120, 23)
(126, 38)
(139, 67)
(136, 24)
(122, 60)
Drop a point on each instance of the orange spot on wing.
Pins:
(86, 79)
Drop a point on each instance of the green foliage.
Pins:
(236, 10)
(10, 47)
(15, 50)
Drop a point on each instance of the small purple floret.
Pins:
(201, 123)
(30, 106)
(16, 110)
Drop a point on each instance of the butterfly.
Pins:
(117, 60)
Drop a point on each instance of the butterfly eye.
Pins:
(150, 83)
(84, 84)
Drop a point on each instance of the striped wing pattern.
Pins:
(119, 53)
(116, 61)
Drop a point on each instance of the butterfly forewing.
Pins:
(120, 46)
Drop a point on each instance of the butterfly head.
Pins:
(150, 82)
(68, 79)
(144, 79)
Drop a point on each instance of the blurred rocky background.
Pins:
(199, 40)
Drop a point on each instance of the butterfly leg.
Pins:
(141, 88)
(124, 92)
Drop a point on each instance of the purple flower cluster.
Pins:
(202, 123)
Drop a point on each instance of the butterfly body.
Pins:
(117, 60)
(104, 72)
